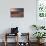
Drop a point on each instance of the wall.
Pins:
(24, 23)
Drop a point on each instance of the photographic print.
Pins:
(17, 12)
